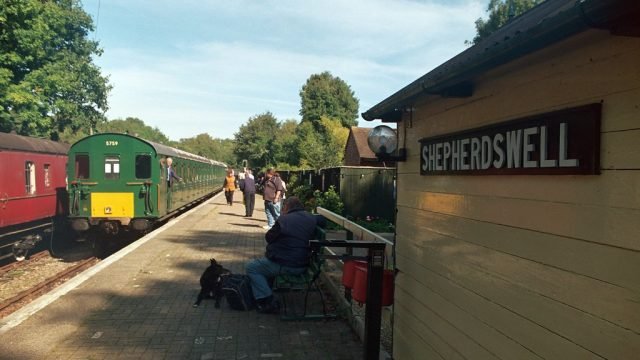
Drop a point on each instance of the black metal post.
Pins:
(348, 251)
(373, 311)
(375, 271)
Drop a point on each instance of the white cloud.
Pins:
(253, 57)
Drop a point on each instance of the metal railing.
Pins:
(376, 259)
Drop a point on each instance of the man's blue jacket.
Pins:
(288, 239)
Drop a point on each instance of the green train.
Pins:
(121, 182)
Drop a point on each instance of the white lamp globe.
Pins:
(382, 140)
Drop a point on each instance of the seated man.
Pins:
(287, 251)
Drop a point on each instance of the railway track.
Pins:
(16, 264)
(15, 302)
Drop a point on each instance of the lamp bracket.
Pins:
(401, 156)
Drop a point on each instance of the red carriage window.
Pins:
(143, 166)
(82, 166)
(47, 175)
(112, 167)
(30, 177)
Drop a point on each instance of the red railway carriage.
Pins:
(32, 190)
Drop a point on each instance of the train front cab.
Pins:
(111, 184)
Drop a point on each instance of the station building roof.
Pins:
(545, 24)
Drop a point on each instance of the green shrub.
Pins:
(329, 200)
(293, 181)
(305, 194)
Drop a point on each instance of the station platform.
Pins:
(137, 304)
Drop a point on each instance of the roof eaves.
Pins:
(547, 23)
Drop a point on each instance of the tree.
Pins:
(500, 12)
(286, 153)
(336, 136)
(313, 152)
(255, 142)
(207, 146)
(48, 82)
(136, 127)
(324, 148)
(326, 95)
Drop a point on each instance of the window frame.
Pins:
(114, 173)
(149, 165)
(30, 177)
(46, 169)
(79, 165)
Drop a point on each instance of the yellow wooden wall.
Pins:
(526, 267)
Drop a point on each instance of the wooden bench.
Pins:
(307, 282)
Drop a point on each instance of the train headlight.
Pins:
(107, 210)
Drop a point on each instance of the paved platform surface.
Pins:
(140, 305)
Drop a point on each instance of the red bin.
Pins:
(360, 286)
(349, 272)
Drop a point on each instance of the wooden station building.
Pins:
(518, 210)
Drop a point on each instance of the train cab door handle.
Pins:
(4, 199)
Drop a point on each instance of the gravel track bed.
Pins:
(33, 272)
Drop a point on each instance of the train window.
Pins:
(112, 167)
(82, 166)
(143, 166)
(30, 177)
(47, 176)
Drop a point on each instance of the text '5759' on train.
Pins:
(121, 182)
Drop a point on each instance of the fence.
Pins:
(365, 191)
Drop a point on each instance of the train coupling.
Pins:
(21, 248)
(110, 227)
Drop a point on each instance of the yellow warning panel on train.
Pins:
(112, 205)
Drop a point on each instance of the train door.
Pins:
(163, 189)
(143, 172)
(166, 182)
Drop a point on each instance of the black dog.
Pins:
(211, 283)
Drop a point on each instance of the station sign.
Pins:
(563, 142)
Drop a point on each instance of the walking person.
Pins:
(284, 189)
(271, 195)
(230, 185)
(287, 251)
(248, 188)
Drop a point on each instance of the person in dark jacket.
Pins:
(248, 188)
(171, 173)
(287, 251)
(272, 193)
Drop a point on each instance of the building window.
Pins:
(30, 177)
(47, 176)
(82, 166)
(143, 166)
(112, 167)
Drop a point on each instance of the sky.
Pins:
(207, 66)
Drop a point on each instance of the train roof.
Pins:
(29, 144)
(165, 150)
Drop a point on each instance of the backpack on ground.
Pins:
(237, 291)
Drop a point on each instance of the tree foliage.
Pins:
(255, 141)
(326, 95)
(286, 153)
(209, 147)
(321, 148)
(136, 127)
(48, 82)
(499, 14)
